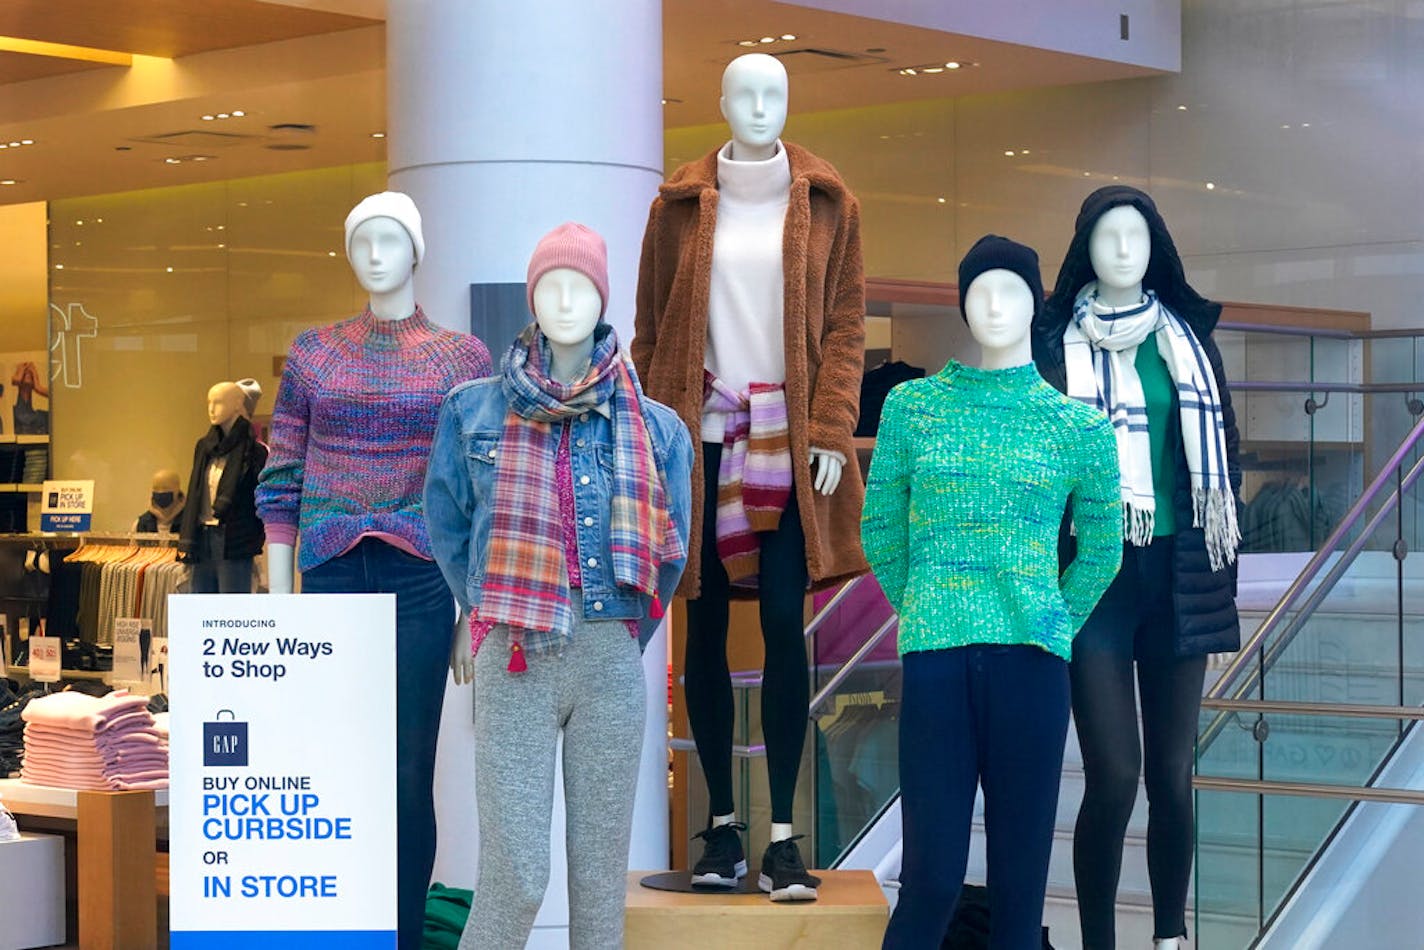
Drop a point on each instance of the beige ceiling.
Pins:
(111, 129)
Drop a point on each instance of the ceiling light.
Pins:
(330, 253)
(200, 158)
(238, 113)
(170, 270)
(1182, 108)
(951, 65)
(378, 135)
(221, 227)
(80, 223)
(172, 161)
(788, 36)
(746, 42)
(98, 220)
(768, 39)
(59, 267)
(940, 200)
(1085, 174)
(1305, 125)
(15, 144)
(3, 145)
(32, 141)
(1211, 186)
(1286, 125)
(664, 102)
(222, 245)
(934, 69)
(1023, 151)
(208, 118)
(1008, 152)
(8, 181)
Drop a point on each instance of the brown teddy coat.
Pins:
(824, 315)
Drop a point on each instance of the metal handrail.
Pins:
(1304, 386)
(1393, 796)
(1327, 333)
(1278, 618)
(848, 667)
(1334, 710)
(832, 604)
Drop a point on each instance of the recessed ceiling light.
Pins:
(1009, 152)
(1182, 108)
(788, 36)
(768, 39)
(1305, 125)
(98, 220)
(1286, 125)
(8, 181)
(940, 200)
(238, 113)
(222, 245)
(934, 69)
(1211, 186)
(951, 65)
(330, 253)
(746, 42)
(170, 270)
(80, 223)
(200, 158)
(1085, 174)
(59, 267)
(3, 145)
(209, 118)
(1023, 151)
(223, 115)
(15, 144)
(378, 135)
(32, 141)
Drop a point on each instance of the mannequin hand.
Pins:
(279, 568)
(462, 657)
(828, 466)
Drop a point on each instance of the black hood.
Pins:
(1165, 274)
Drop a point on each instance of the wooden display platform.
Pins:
(116, 834)
(851, 913)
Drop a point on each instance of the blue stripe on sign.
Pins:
(283, 939)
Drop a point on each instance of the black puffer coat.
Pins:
(235, 505)
(1204, 600)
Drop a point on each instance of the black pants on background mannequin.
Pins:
(785, 692)
(1134, 622)
(215, 574)
(425, 617)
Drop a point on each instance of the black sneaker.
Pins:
(722, 863)
(783, 875)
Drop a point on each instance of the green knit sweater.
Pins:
(968, 484)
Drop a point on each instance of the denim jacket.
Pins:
(459, 491)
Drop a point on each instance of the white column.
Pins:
(504, 120)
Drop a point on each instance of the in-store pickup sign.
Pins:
(67, 505)
(282, 758)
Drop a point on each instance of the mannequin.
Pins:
(971, 467)
(351, 432)
(221, 532)
(563, 563)
(1173, 602)
(165, 505)
(745, 250)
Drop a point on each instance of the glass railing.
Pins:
(1300, 725)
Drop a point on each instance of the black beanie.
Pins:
(992, 252)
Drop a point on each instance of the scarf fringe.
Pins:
(1138, 524)
(1214, 511)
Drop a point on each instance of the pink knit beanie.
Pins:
(571, 245)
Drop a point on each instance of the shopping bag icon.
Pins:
(225, 743)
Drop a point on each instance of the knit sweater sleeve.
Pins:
(885, 518)
(1097, 516)
(279, 490)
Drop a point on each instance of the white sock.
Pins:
(780, 830)
(1169, 943)
(720, 820)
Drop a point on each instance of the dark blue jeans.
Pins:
(215, 574)
(990, 715)
(425, 618)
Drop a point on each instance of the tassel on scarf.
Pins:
(1216, 510)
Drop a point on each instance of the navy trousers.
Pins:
(425, 618)
(990, 715)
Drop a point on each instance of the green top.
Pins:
(1163, 425)
(972, 471)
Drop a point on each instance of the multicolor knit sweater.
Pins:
(968, 484)
(352, 428)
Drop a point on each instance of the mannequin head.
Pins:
(166, 491)
(224, 404)
(754, 103)
(1119, 248)
(1164, 274)
(567, 306)
(1000, 293)
(567, 284)
(382, 255)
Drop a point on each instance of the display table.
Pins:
(851, 913)
(116, 834)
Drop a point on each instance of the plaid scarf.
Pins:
(754, 478)
(526, 582)
(1099, 350)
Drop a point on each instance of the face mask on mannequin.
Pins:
(1120, 249)
(567, 306)
(224, 404)
(754, 103)
(999, 309)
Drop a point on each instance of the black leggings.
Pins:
(1134, 622)
(785, 690)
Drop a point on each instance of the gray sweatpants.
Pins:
(594, 692)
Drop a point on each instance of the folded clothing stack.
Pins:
(93, 743)
(12, 728)
(36, 466)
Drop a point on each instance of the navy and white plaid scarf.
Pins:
(1099, 353)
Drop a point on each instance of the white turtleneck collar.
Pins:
(759, 182)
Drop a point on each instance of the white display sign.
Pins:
(67, 505)
(282, 806)
(133, 644)
(44, 659)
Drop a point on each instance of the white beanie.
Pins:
(388, 204)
